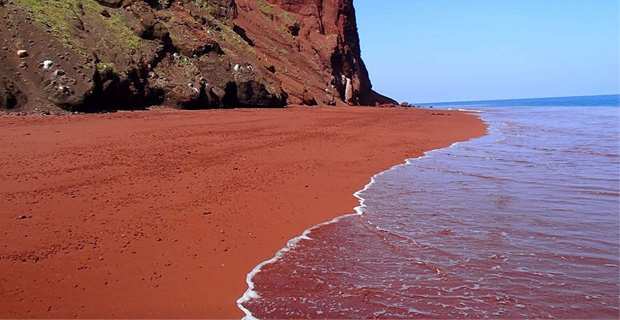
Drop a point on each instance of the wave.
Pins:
(251, 293)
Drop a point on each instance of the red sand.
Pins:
(163, 213)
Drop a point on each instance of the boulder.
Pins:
(150, 27)
(308, 99)
(252, 93)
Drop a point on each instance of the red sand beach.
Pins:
(161, 214)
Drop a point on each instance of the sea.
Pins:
(521, 223)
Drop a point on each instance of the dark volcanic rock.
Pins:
(10, 96)
(151, 28)
(252, 93)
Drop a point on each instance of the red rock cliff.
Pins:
(91, 55)
(322, 61)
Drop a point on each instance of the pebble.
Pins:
(47, 64)
(58, 73)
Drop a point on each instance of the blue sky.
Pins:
(458, 50)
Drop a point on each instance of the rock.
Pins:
(241, 32)
(110, 3)
(47, 64)
(11, 97)
(348, 91)
(404, 104)
(251, 93)
(193, 87)
(136, 39)
(196, 50)
(226, 9)
(58, 73)
(308, 99)
(151, 28)
(294, 29)
(22, 53)
(22, 217)
(218, 93)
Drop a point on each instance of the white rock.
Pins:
(348, 90)
(193, 87)
(64, 89)
(22, 53)
(47, 64)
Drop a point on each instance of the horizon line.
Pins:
(507, 99)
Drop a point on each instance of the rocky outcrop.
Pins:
(323, 49)
(10, 96)
(94, 55)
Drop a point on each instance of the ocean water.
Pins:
(521, 223)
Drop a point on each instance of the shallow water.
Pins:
(523, 222)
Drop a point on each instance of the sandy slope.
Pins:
(162, 213)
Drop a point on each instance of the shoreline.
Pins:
(251, 293)
(163, 213)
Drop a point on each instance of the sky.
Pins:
(462, 50)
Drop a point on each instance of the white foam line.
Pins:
(250, 293)
(470, 110)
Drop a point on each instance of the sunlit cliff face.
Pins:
(132, 54)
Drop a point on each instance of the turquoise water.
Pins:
(521, 223)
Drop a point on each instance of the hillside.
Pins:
(95, 55)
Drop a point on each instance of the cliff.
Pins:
(94, 55)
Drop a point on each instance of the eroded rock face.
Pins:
(11, 97)
(323, 33)
(226, 9)
(132, 54)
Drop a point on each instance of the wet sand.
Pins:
(163, 213)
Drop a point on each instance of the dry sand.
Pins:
(163, 213)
